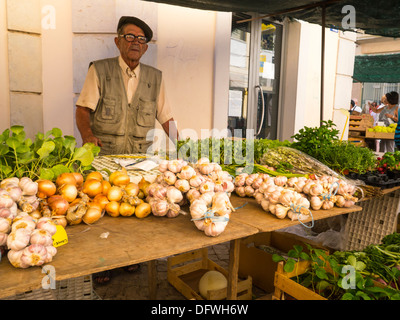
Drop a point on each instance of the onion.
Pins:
(126, 210)
(112, 208)
(115, 193)
(60, 220)
(101, 199)
(119, 178)
(212, 280)
(65, 178)
(58, 205)
(143, 210)
(79, 179)
(92, 187)
(95, 175)
(132, 189)
(68, 191)
(46, 188)
(93, 213)
(106, 186)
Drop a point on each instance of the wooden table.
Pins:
(130, 241)
(253, 215)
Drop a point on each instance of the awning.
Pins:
(380, 68)
(371, 16)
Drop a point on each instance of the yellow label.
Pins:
(60, 237)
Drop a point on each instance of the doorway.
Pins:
(254, 76)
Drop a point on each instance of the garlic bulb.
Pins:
(182, 185)
(240, 191)
(193, 194)
(3, 238)
(175, 166)
(18, 239)
(205, 168)
(265, 204)
(281, 211)
(174, 195)
(196, 180)
(198, 208)
(169, 177)
(214, 229)
(316, 203)
(5, 225)
(25, 222)
(41, 237)
(240, 179)
(34, 255)
(280, 180)
(187, 172)
(163, 166)
(207, 197)
(206, 186)
(159, 207)
(249, 191)
(14, 257)
(29, 187)
(47, 224)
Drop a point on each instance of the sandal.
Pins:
(132, 268)
(102, 277)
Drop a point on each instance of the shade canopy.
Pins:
(380, 68)
(372, 16)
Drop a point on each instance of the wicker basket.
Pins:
(377, 219)
(79, 288)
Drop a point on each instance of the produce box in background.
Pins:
(256, 252)
(380, 135)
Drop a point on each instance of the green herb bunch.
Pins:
(327, 276)
(313, 140)
(46, 157)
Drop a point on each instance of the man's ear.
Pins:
(116, 41)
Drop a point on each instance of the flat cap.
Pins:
(137, 22)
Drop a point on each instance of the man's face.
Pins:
(131, 51)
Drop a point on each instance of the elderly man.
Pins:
(121, 99)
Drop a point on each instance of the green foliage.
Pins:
(226, 151)
(312, 140)
(323, 144)
(46, 157)
(328, 277)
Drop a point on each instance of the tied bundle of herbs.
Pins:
(228, 151)
(46, 157)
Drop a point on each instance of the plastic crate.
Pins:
(37, 294)
(377, 219)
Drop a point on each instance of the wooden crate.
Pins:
(284, 285)
(379, 135)
(185, 270)
(361, 123)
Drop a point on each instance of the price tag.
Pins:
(60, 237)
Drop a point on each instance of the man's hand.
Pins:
(83, 124)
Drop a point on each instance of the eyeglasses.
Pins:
(131, 37)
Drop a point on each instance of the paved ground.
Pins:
(134, 286)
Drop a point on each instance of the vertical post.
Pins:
(152, 279)
(322, 61)
(233, 269)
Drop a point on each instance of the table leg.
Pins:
(233, 269)
(152, 279)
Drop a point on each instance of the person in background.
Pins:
(121, 99)
(388, 115)
(375, 115)
(354, 109)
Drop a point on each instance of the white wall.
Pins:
(300, 101)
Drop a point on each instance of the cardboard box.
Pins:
(379, 135)
(257, 263)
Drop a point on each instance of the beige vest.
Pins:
(123, 125)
